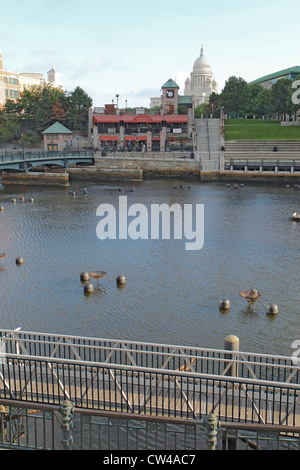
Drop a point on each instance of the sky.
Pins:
(131, 48)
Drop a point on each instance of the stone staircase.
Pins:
(208, 132)
(261, 155)
(242, 146)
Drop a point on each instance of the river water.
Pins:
(171, 295)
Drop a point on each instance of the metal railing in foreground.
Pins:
(148, 391)
(259, 437)
(50, 427)
(149, 379)
(150, 355)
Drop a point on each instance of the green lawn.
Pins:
(255, 129)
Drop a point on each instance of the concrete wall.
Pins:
(36, 179)
(105, 174)
(152, 166)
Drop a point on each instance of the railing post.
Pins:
(211, 425)
(66, 410)
(232, 343)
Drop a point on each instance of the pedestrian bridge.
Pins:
(147, 379)
(26, 161)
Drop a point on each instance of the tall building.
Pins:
(268, 81)
(54, 77)
(201, 83)
(12, 84)
(9, 84)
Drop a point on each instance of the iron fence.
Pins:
(247, 437)
(149, 379)
(147, 391)
(47, 427)
(150, 355)
(16, 156)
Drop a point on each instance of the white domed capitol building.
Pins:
(201, 83)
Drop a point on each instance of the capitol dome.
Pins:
(201, 82)
(201, 65)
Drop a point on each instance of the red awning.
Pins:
(134, 137)
(140, 118)
(106, 118)
(103, 138)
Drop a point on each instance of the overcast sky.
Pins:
(133, 47)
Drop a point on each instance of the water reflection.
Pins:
(171, 295)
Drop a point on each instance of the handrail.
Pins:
(208, 142)
(153, 370)
(91, 339)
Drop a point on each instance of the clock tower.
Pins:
(170, 97)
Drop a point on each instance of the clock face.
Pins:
(170, 93)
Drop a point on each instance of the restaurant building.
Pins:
(118, 130)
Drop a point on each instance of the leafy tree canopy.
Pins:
(201, 109)
(41, 106)
(235, 95)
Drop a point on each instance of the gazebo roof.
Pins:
(57, 128)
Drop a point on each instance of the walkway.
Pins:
(149, 379)
(208, 133)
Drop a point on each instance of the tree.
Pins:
(261, 105)
(201, 109)
(9, 126)
(37, 105)
(79, 103)
(281, 97)
(235, 95)
(59, 111)
(30, 137)
(214, 104)
(253, 92)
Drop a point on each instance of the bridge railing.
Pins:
(150, 355)
(140, 378)
(21, 156)
(264, 164)
(148, 391)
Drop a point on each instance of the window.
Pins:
(6, 93)
(14, 94)
(5, 79)
(13, 81)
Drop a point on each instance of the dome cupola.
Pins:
(201, 65)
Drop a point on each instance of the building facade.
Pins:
(9, 84)
(268, 81)
(12, 84)
(112, 128)
(57, 137)
(201, 83)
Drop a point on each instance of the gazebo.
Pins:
(57, 137)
